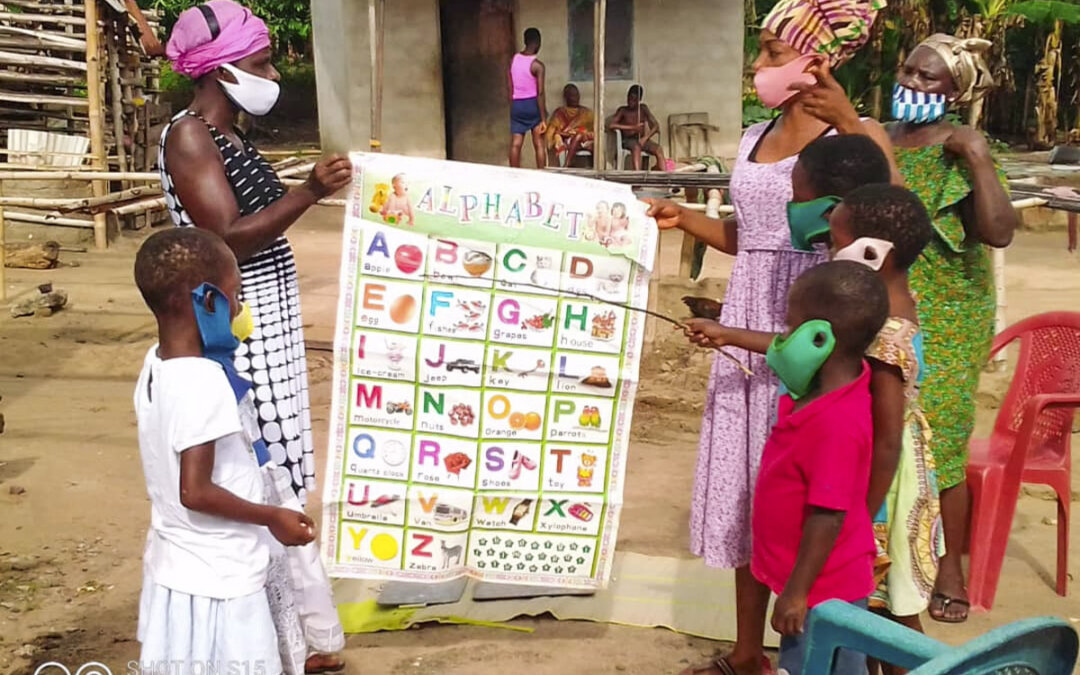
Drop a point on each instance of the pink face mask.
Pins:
(774, 84)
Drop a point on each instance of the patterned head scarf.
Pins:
(835, 28)
(966, 63)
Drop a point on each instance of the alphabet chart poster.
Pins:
(486, 361)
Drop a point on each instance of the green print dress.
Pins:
(953, 282)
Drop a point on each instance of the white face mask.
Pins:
(253, 94)
(866, 250)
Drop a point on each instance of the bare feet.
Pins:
(323, 663)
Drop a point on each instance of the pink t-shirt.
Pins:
(818, 456)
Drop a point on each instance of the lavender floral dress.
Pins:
(739, 410)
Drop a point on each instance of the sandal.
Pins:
(721, 665)
(943, 603)
(327, 663)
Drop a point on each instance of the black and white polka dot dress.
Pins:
(273, 358)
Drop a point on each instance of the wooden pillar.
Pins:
(96, 105)
(3, 251)
(112, 36)
(1000, 320)
(376, 13)
(600, 131)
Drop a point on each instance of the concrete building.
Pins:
(445, 62)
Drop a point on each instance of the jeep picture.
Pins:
(464, 365)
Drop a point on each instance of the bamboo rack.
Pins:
(81, 68)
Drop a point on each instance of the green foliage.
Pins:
(1046, 11)
(754, 111)
(289, 21)
(172, 81)
(296, 75)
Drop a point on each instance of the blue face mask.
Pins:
(809, 221)
(797, 358)
(909, 105)
(215, 325)
(219, 344)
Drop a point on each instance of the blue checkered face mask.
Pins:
(909, 105)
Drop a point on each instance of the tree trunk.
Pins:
(1029, 91)
(1046, 103)
(914, 19)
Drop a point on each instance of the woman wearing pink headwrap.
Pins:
(801, 41)
(213, 178)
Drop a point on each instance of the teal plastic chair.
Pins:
(1040, 646)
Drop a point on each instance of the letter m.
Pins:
(369, 399)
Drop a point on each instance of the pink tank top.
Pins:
(521, 75)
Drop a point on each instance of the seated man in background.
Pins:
(570, 128)
(638, 127)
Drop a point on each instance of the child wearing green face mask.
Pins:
(886, 227)
(812, 537)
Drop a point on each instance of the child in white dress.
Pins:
(204, 601)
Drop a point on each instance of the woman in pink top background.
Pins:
(527, 109)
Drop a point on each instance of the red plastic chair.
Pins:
(1031, 443)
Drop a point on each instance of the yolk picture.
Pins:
(384, 547)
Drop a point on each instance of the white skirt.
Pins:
(206, 635)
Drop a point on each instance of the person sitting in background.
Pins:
(570, 128)
(638, 126)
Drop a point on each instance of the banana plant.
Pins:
(1053, 15)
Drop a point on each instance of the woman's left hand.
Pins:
(967, 143)
(827, 100)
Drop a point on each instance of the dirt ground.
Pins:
(74, 508)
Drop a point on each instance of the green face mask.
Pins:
(797, 359)
(809, 220)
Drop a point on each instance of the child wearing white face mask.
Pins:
(885, 227)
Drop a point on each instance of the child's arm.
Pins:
(652, 127)
(887, 390)
(198, 492)
(707, 333)
(820, 530)
(408, 212)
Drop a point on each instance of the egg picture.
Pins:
(408, 258)
(403, 309)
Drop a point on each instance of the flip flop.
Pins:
(947, 601)
(719, 665)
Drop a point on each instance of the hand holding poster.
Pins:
(486, 361)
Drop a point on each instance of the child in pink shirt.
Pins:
(812, 534)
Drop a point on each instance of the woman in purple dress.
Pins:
(801, 41)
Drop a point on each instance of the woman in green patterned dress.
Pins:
(950, 167)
